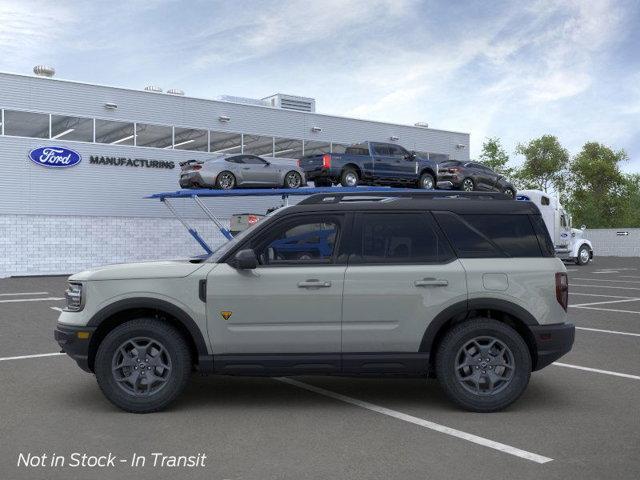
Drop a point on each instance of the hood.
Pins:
(577, 233)
(131, 271)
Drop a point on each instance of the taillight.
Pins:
(298, 162)
(196, 167)
(454, 170)
(562, 289)
(326, 161)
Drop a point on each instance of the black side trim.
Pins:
(76, 348)
(202, 290)
(153, 303)
(552, 342)
(504, 306)
(347, 364)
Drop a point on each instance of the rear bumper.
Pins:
(73, 345)
(192, 180)
(320, 172)
(552, 342)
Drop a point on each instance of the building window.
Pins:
(72, 128)
(338, 147)
(115, 133)
(190, 139)
(287, 148)
(225, 142)
(26, 124)
(257, 145)
(312, 147)
(157, 136)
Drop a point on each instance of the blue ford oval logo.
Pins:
(56, 157)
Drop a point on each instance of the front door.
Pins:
(257, 171)
(291, 303)
(400, 276)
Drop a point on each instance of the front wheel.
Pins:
(293, 180)
(426, 182)
(584, 256)
(483, 365)
(143, 365)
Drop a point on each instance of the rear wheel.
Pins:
(583, 255)
(225, 181)
(143, 365)
(483, 365)
(349, 178)
(509, 192)
(468, 185)
(292, 180)
(426, 182)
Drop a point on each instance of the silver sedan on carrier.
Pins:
(241, 170)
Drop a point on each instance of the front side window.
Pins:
(306, 241)
(253, 160)
(380, 149)
(398, 238)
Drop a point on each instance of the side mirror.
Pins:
(245, 260)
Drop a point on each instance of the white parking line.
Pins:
(597, 295)
(39, 355)
(605, 286)
(485, 442)
(14, 300)
(606, 280)
(22, 293)
(597, 370)
(608, 331)
(632, 299)
(608, 309)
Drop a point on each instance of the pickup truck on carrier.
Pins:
(371, 163)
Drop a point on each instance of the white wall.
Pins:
(607, 243)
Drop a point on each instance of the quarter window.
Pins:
(399, 238)
(513, 234)
(467, 241)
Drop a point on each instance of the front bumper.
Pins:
(552, 342)
(73, 344)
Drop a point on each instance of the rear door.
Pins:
(401, 274)
(382, 161)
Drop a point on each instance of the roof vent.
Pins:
(422, 124)
(175, 91)
(153, 88)
(44, 71)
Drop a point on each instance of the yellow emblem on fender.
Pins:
(225, 314)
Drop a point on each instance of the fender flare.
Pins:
(155, 304)
(462, 309)
(578, 245)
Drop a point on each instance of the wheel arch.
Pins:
(354, 167)
(428, 170)
(121, 311)
(504, 311)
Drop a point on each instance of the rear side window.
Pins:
(398, 238)
(544, 240)
(513, 234)
(466, 239)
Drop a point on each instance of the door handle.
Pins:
(313, 283)
(246, 168)
(431, 282)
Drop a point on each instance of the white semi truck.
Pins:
(569, 242)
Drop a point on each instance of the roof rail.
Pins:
(338, 196)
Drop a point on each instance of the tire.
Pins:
(225, 180)
(426, 182)
(468, 185)
(349, 178)
(292, 180)
(584, 255)
(475, 395)
(509, 192)
(165, 347)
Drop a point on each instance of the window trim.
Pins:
(356, 231)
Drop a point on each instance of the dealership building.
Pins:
(128, 144)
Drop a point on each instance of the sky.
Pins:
(513, 70)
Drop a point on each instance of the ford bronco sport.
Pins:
(464, 287)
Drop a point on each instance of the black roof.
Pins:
(462, 203)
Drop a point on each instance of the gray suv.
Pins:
(464, 287)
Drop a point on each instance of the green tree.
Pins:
(599, 191)
(631, 201)
(495, 156)
(545, 164)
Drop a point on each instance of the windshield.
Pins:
(225, 247)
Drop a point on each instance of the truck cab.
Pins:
(568, 242)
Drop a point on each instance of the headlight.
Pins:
(75, 300)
